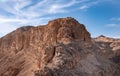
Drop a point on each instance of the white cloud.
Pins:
(113, 25)
(21, 4)
(7, 20)
(89, 3)
(115, 19)
(115, 22)
(6, 28)
(84, 7)
(55, 8)
(29, 12)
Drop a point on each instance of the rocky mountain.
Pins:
(110, 47)
(63, 47)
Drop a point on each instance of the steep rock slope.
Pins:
(63, 47)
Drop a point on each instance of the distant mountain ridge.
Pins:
(110, 47)
(106, 39)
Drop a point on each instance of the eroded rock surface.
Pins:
(109, 48)
(63, 47)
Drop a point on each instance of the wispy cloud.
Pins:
(30, 12)
(84, 7)
(15, 13)
(115, 19)
(87, 4)
(28, 9)
(90, 3)
(6, 29)
(113, 25)
(115, 22)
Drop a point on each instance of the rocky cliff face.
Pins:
(63, 47)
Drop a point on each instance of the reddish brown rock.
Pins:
(63, 47)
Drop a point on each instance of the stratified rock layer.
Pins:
(63, 47)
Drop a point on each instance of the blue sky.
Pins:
(101, 17)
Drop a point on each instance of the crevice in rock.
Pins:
(116, 59)
(54, 48)
(84, 39)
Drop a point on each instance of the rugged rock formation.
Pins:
(63, 47)
(110, 48)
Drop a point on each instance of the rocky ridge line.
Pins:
(63, 47)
